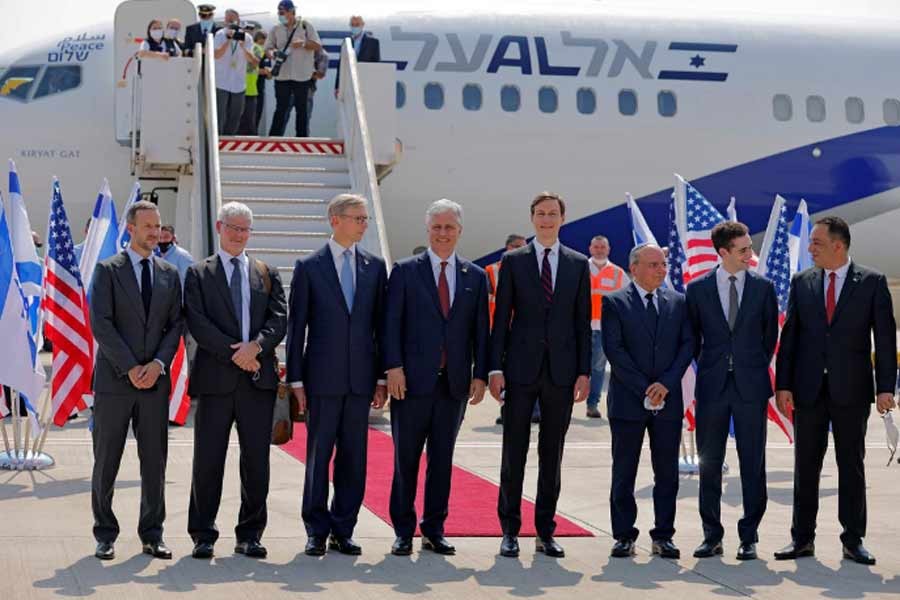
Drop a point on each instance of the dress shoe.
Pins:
(622, 549)
(158, 550)
(251, 549)
(344, 545)
(315, 546)
(438, 545)
(105, 551)
(746, 551)
(794, 551)
(859, 554)
(593, 413)
(202, 550)
(665, 549)
(535, 418)
(509, 546)
(549, 547)
(708, 549)
(498, 420)
(402, 546)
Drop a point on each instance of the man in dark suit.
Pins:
(236, 311)
(136, 320)
(436, 326)
(734, 315)
(366, 46)
(196, 33)
(824, 376)
(540, 350)
(648, 341)
(333, 365)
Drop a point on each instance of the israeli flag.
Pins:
(731, 211)
(102, 236)
(798, 239)
(640, 231)
(124, 236)
(28, 264)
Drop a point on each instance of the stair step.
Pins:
(316, 224)
(287, 175)
(278, 159)
(281, 259)
(282, 207)
(300, 218)
(320, 191)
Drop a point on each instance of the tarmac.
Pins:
(46, 546)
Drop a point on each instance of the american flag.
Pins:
(700, 218)
(179, 401)
(66, 316)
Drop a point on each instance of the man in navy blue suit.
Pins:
(734, 315)
(648, 341)
(333, 365)
(436, 328)
(366, 46)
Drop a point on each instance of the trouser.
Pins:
(147, 411)
(556, 412)
(598, 369)
(339, 425)
(260, 103)
(750, 422)
(627, 442)
(848, 426)
(251, 410)
(248, 117)
(415, 420)
(309, 106)
(229, 107)
(290, 94)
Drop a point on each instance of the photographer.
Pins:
(233, 51)
(295, 42)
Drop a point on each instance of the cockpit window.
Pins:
(58, 79)
(17, 81)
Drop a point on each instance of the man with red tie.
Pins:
(824, 376)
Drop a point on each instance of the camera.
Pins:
(280, 57)
(236, 33)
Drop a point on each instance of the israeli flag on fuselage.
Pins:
(103, 234)
(798, 239)
(28, 264)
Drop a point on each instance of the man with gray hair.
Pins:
(236, 311)
(435, 348)
(333, 368)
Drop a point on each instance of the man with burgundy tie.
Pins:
(436, 328)
(824, 377)
(540, 349)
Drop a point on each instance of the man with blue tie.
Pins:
(649, 344)
(333, 365)
(540, 350)
(734, 315)
(436, 328)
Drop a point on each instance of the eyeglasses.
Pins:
(360, 220)
(237, 229)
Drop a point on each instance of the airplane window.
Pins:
(586, 101)
(855, 109)
(59, 79)
(627, 102)
(471, 96)
(815, 108)
(666, 103)
(401, 95)
(892, 111)
(510, 99)
(434, 96)
(17, 82)
(548, 101)
(782, 107)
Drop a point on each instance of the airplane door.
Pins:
(130, 29)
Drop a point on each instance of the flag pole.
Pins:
(40, 460)
(5, 437)
(25, 441)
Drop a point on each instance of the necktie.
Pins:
(146, 285)
(732, 303)
(829, 297)
(236, 296)
(652, 315)
(547, 277)
(347, 280)
(444, 298)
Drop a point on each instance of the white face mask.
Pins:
(156, 34)
(172, 33)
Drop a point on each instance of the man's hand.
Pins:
(300, 395)
(380, 397)
(297, 44)
(497, 383)
(310, 45)
(135, 374)
(582, 388)
(149, 375)
(337, 93)
(396, 383)
(476, 391)
(657, 392)
(245, 354)
(784, 400)
(884, 402)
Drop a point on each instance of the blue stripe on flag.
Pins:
(692, 76)
(702, 47)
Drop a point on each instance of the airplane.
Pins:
(588, 99)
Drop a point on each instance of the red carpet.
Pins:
(473, 499)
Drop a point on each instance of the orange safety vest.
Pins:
(493, 272)
(609, 279)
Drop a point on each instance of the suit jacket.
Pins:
(639, 357)
(126, 337)
(415, 328)
(751, 345)
(809, 345)
(525, 326)
(332, 351)
(193, 35)
(369, 51)
(212, 320)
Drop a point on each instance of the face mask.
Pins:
(206, 25)
(156, 34)
(283, 19)
(171, 33)
(164, 246)
(356, 31)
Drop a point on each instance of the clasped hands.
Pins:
(656, 393)
(144, 377)
(245, 355)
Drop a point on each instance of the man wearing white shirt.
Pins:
(233, 50)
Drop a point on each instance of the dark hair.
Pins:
(545, 196)
(726, 232)
(150, 26)
(169, 228)
(837, 228)
(513, 237)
